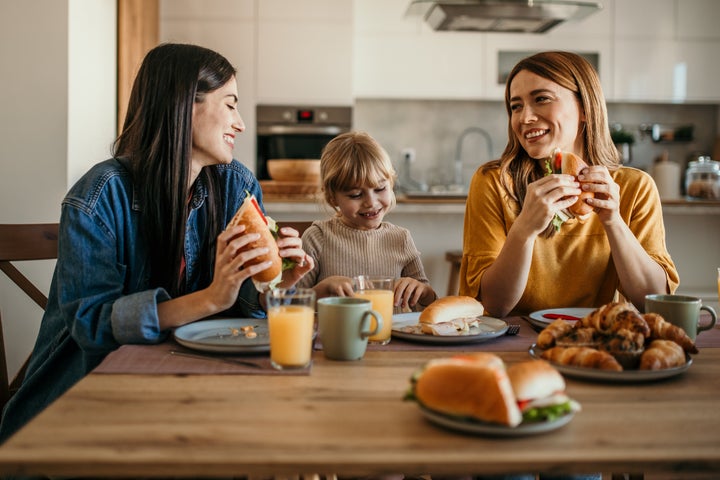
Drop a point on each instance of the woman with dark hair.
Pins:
(143, 246)
(517, 257)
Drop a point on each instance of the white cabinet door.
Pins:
(399, 56)
(304, 52)
(698, 19)
(656, 70)
(228, 27)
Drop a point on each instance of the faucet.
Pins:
(458, 151)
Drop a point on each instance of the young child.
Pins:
(357, 179)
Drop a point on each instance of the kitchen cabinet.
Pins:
(228, 27)
(669, 56)
(304, 52)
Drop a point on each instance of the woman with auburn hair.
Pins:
(143, 246)
(522, 250)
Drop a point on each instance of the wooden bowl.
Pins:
(294, 170)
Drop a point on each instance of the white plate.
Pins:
(217, 335)
(468, 425)
(490, 328)
(542, 321)
(625, 376)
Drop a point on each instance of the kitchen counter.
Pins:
(436, 224)
(315, 205)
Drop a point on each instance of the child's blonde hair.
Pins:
(352, 160)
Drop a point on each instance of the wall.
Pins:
(432, 128)
(57, 119)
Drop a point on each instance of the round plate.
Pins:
(490, 328)
(625, 376)
(223, 335)
(476, 427)
(541, 321)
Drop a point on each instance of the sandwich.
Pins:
(569, 164)
(252, 217)
(479, 387)
(539, 391)
(472, 386)
(452, 315)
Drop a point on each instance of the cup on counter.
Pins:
(291, 320)
(379, 290)
(344, 325)
(681, 310)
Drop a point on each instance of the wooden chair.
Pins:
(22, 242)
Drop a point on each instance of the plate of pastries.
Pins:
(616, 342)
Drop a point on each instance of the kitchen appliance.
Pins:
(296, 132)
(514, 16)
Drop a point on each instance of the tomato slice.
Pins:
(253, 200)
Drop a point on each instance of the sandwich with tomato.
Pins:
(569, 164)
(479, 387)
(252, 217)
(540, 391)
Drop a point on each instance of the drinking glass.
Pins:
(379, 290)
(291, 319)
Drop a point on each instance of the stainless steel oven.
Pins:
(297, 132)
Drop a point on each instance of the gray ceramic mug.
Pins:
(344, 326)
(681, 310)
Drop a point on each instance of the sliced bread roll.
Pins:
(450, 308)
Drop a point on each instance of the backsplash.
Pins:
(432, 128)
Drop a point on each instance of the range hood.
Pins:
(511, 16)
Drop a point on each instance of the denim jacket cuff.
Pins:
(134, 317)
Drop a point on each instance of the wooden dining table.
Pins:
(350, 418)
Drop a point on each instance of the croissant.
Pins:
(582, 357)
(549, 335)
(662, 354)
(661, 329)
(604, 318)
(578, 337)
(623, 340)
(631, 320)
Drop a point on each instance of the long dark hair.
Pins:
(573, 72)
(156, 141)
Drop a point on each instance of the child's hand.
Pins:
(335, 286)
(409, 292)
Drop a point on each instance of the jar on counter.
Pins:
(702, 180)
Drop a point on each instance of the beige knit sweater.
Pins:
(341, 250)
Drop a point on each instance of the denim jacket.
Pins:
(100, 296)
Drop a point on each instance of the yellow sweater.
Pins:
(574, 268)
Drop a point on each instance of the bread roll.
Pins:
(451, 307)
(474, 385)
(573, 165)
(534, 379)
(250, 215)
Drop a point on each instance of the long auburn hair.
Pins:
(156, 142)
(571, 71)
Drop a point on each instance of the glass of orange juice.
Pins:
(379, 290)
(291, 320)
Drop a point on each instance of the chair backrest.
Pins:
(22, 242)
(299, 226)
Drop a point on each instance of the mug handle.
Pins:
(713, 319)
(378, 323)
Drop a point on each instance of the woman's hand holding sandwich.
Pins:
(290, 247)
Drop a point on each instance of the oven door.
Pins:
(295, 142)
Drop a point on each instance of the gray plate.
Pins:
(217, 336)
(491, 429)
(491, 328)
(625, 376)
